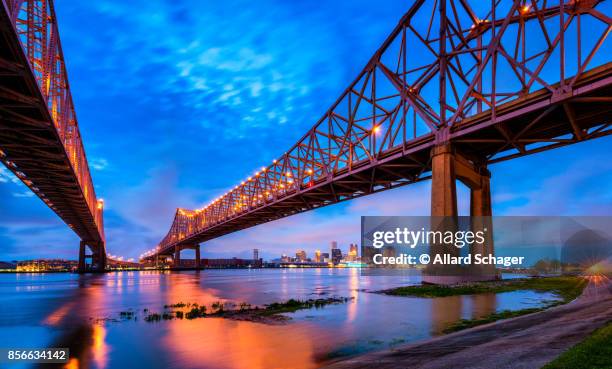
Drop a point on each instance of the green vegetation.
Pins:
(566, 288)
(126, 314)
(243, 310)
(593, 352)
(154, 317)
(293, 305)
(195, 312)
(469, 323)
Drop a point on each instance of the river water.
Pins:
(82, 312)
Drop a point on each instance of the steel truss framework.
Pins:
(498, 79)
(39, 134)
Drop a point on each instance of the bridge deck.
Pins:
(30, 145)
(537, 122)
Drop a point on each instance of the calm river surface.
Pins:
(63, 310)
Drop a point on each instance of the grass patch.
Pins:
(469, 323)
(243, 310)
(594, 352)
(567, 288)
(293, 305)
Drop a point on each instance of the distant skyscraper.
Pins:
(324, 257)
(334, 245)
(318, 256)
(300, 255)
(255, 254)
(336, 255)
(352, 255)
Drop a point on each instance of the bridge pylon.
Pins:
(447, 166)
(177, 254)
(98, 257)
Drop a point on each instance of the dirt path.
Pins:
(528, 341)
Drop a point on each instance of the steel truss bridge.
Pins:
(457, 85)
(39, 132)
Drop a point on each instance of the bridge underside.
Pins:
(538, 122)
(31, 147)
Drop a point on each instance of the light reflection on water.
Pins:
(58, 310)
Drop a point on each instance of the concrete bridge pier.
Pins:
(447, 166)
(97, 257)
(177, 254)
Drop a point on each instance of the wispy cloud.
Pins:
(23, 194)
(98, 163)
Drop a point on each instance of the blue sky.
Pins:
(178, 101)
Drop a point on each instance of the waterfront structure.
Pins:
(255, 254)
(47, 265)
(40, 141)
(317, 257)
(229, 263)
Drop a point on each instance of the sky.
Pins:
(178, 101)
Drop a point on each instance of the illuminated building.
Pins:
(47, 265)
(352, 255)
(325, 257)
(317, 258)
(300, 255)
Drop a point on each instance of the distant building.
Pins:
(285, 258)
(325, 257)
(368, 252)
(352, 255)
(47, 265)
(336, 256)
(300, 255)
(230, 263)
(255, 254)
(317, 258)
(334, 245)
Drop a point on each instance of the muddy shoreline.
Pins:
(525, 342)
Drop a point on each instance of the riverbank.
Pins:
(525, 342)
(566, 288)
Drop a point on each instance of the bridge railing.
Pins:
(36, 25)
(446, 63)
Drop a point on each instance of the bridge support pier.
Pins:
(448, 166)
(177, 256)
(197, 256)
(98, 257)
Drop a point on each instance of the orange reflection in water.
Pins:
(223, 343)
(58, 314)
(99, 348)
(73, 363)
(354, 293)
